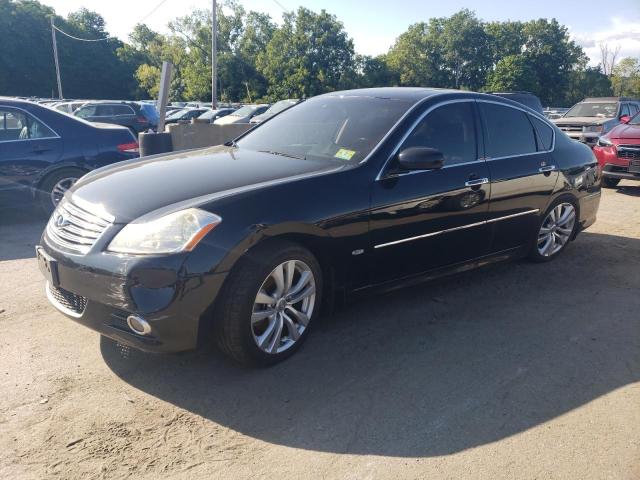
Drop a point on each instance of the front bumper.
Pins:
(622, 172)
(588, 138)
(103, 290)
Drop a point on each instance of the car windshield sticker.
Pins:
(344, 154)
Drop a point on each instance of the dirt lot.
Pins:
(515, 371)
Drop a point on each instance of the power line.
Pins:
(152, 11)
(280, 5)
(83, 39)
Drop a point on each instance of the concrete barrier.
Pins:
(198, 134)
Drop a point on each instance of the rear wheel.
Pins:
(610, 182)
(268, 304)
(557, 228)
(55, 185)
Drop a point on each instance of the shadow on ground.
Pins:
(631, 190)
(433, 369)
(20, 231)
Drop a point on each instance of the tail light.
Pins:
(141, 119)
(129, 147)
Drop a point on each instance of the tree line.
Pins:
(307, 54)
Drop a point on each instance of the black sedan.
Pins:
(44, 151)
(345, 193)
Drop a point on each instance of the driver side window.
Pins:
(449, 129)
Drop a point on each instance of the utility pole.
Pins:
(214, 55)
(55, 56)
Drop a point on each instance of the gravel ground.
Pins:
(514, 371)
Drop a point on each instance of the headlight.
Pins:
(593, 129)
(603, 142)
(177, 232)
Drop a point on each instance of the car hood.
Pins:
(626, 132)
(149, 187)
(581, 121)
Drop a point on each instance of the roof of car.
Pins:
(609, 99)
(398, 93)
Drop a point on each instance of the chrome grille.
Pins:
(74, 228)
(630, 152)
(66, 301)
(570, 128)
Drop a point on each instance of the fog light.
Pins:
(138, 325)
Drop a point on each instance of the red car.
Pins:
(618, 153)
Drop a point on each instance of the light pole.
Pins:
(55, 56)
(214, 55)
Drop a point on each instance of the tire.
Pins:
(62, 178)
(558, 230)
(610, 182)
(241, 317)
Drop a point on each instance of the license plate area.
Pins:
(48, 266)
(634, 166)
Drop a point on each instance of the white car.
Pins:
(243, 115)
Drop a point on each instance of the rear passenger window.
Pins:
(624, 110)
(508, 131)
(450, 129)
(122, 110)
(544, 133)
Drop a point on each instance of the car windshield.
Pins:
(604, 110)
(178, 114)
(332, 128)
(280, 106)
(244, 111)
(635, 120)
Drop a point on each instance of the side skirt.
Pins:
(396, 284)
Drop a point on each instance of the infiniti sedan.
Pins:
(345, 193)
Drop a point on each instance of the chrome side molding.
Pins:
(454, 229)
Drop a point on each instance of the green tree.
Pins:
(552, 55)
(626, 78)
(590, 82)
(512, 73)
(309, 54)
(448, 52)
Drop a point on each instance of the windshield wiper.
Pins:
(282, 154)
(231, 143)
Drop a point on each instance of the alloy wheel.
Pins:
(60, 188)
(556, 229)
(283, 306)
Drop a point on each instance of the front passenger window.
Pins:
(449, 129)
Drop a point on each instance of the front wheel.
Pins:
(268, 304)
(556, 230)
(55, 185)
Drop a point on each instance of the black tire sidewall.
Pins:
(248, 277)
(43, 195)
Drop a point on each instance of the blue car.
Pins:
(43, 152)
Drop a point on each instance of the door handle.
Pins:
(475, 182)
(548, 168)
(40, 150)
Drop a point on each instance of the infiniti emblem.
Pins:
(61, 221)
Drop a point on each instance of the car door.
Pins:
(523, 175)
(426, 219)
(27, 146)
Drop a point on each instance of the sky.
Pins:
(375, 24)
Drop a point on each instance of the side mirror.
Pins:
(625, 118)
(420, 158)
